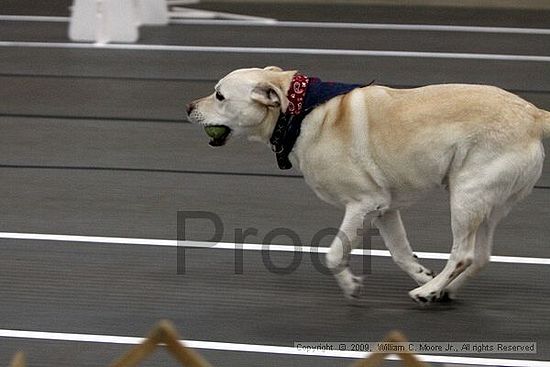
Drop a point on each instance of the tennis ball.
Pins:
(216, 132)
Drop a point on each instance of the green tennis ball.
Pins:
(216, 132)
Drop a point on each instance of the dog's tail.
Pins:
(544, 118)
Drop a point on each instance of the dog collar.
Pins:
(305, 93)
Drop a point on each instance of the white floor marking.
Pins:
(295, 51)
(297, 24)
(33, 18)
(258, 348)
(367, 26)
(245, 247)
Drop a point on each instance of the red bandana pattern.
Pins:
(296, 94)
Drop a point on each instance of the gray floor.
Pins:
(95, 142)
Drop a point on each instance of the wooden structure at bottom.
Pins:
(164, 334)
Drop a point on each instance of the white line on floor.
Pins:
(266, 50)
(245, 247)
(33, 18)
(297, 24)
(366, 26)
(258, 348)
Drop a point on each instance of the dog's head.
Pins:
(245, 102)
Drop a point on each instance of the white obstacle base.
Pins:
(177, 10)
(104, 21)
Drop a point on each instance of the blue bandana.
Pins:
(319, 92)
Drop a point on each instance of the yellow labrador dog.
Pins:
(374, 150)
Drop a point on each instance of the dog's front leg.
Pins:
(338, 256)
(392, 230)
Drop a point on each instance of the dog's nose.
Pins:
(190, 108)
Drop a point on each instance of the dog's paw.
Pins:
(354, 291)
(351, 285)
(447, 297)
(425, 297)
(423, 275)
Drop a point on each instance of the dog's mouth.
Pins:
(218, 134)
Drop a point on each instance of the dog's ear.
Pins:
(269, 95)
(273, 68)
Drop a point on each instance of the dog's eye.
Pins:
(219, 96)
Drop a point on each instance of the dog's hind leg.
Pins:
(484, 241)
(468, 211)
(523, 172)
(482, 256)
(338, 256)
(478, 203)
(393, 232)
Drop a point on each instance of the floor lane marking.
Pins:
(33, 18)
(245, 246)
(261, 348)
(280, 50)
(304, 24)
(367, 26)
